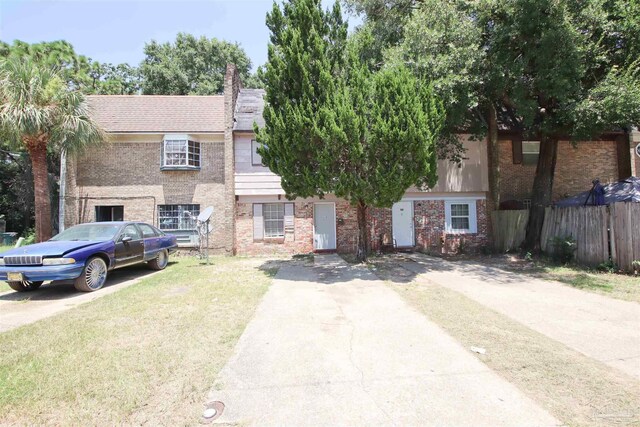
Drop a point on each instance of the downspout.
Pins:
(63, 189)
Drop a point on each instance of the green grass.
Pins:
(620, 286)
(147, 354)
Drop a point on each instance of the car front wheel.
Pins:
(25, 285)
(93, 275)
(159, 262)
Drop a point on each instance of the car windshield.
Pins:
(88, 232)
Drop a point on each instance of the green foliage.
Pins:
(29, 237)
(335, 122)
(37, 104)
(333, 125)
(607, 267)
(563, 249)
(441, 44)
(16, 188)
(190, 65)
(78, 71)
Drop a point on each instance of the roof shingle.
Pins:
(158, 113)
(249, 108)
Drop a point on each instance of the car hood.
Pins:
(51, 248)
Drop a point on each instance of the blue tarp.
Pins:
(626, 190)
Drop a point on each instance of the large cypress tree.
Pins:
(335, 124)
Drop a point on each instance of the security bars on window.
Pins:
(181, 153)
(460, 217)
(178, 217)
(273, 214)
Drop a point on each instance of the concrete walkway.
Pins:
(22, 308)
(330, 344)
(602, 328)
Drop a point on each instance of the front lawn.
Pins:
(147, 354)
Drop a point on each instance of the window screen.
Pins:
(273, 214)
(460, 216)
(178, 217)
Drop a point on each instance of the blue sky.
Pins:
(115, 31)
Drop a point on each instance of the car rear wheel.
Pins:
(93, 275)
(25, 285)
(161, 261)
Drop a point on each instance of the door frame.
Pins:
(412, 224)
(335, 228)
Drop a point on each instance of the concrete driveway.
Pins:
(330, 344)
(22, 308)
(602, 328)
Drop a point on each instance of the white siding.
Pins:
(252, 180)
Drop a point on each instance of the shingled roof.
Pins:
(249, 107)
(158, 113)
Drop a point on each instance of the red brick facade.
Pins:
(576, 167)
(429, 226)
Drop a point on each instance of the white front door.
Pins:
(324, 226)
(402, 224)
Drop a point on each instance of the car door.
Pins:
(129, 246)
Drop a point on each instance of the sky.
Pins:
(116, 30)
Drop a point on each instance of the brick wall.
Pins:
(429, 217)
(128, 174)
(298, 242)
(575, 169)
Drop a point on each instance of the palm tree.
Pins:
(39, 111)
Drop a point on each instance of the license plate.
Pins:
(15, 277)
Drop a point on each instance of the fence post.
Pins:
(612, 232)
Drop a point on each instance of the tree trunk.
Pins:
(37, 147)
(363, 232)
(542, 192)
(494, 156)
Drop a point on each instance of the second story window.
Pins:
(256, 159)
(530, 152)
(180, 153)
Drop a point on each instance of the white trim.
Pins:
(335, 228)
(473, 220)
(637, 150)
(444, 198)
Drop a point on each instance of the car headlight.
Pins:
(58, 261)
(1, 261)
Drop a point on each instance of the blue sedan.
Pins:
(85, 253)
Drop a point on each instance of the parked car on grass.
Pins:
(85, 253)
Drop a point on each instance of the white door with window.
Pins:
(402, 224)
(324, 226)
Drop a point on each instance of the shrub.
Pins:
(563, 249)
(607, 267)
(29, 237)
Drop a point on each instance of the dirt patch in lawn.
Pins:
(147, 354)
(574, 388)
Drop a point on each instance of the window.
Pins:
(109, 213)
(256, 159)
(178, 217)
(131, 231)
(147, 230)
(180, 153)
(460, 216)
(526, 203)
(273, 214)
(530, 152)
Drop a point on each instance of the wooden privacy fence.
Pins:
(588, 225)
(600, 232)
(625, 234)
(509, 229)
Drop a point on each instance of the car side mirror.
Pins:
(125, 239)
